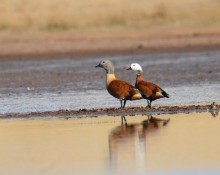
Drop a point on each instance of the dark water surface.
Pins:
(187, 144)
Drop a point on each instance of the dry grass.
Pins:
(93, 14)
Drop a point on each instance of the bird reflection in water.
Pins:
(128, 143)
(214, 113)
(214, 109)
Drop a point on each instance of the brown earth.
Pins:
(129, 111)
(58, 44)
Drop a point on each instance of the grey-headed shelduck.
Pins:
(117, 88)
(149, 91)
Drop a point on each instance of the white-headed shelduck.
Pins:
(148, 90)
(117, 88)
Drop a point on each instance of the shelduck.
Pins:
(149, 91)
(117, 88)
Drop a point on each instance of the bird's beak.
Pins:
(98, 65)
(128, 68)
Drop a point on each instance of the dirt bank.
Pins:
(20, 45)
(212, 108)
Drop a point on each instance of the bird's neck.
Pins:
(110, 78)
(139, 78)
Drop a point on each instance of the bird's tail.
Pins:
(165, 94)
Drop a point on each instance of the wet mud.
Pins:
(129, 111)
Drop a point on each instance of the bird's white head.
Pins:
(136, 67)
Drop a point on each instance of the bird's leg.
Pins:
(124, 103)
(149, 103)
(121, 103)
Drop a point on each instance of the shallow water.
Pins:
(206, 93)
(188, 144)
(53, 84)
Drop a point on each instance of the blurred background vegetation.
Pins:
(47, 15)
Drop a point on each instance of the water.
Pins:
(188, 144)
(25, 103)
(53, 84)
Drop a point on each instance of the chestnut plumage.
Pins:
(118, 88)
(148, 90)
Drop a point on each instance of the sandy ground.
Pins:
(27, 60)
(74, 44)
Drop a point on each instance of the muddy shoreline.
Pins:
(128, 111)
